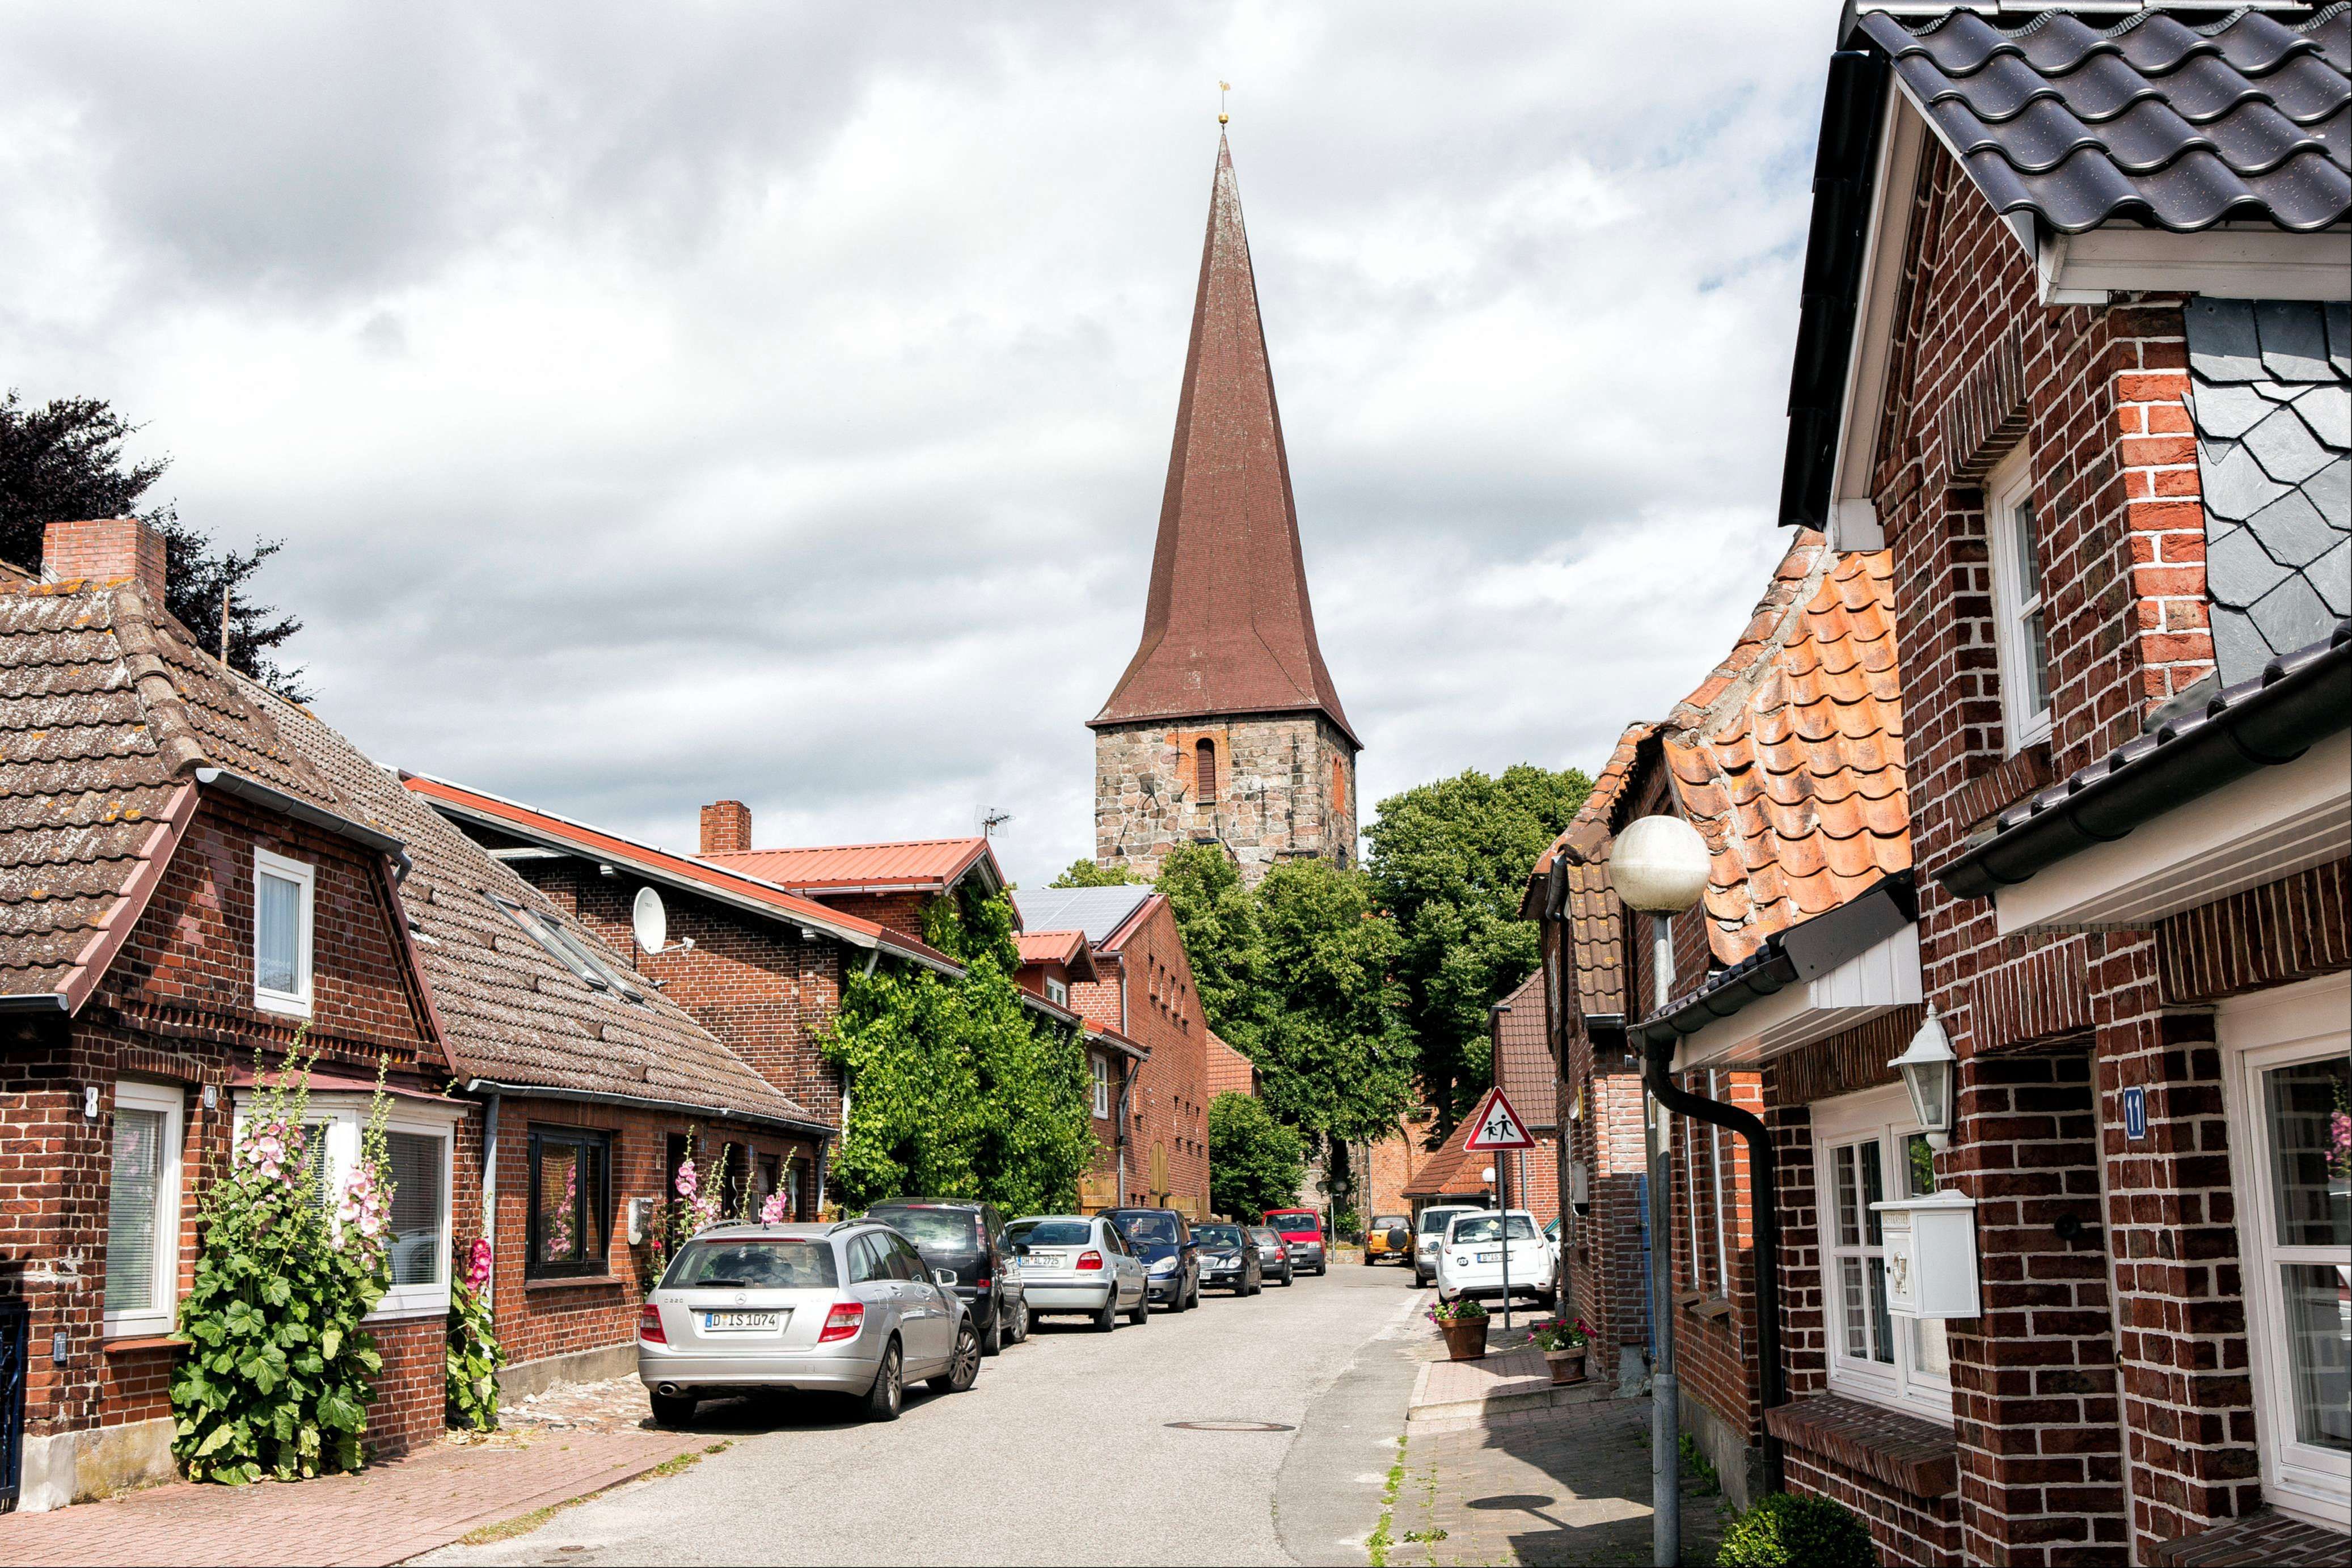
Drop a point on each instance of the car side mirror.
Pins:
(944, 1279)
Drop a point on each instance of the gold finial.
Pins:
(1222, 87)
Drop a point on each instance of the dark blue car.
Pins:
(1164, 1241)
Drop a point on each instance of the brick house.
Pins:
(891, 884)
(1051, 963)
(1142, 1003)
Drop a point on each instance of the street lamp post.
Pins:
(1659, 865)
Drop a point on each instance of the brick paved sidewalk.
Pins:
(562, 1449)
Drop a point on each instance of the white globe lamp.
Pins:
(1659, 865)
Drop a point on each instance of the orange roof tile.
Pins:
(1067, 948)
(1788, 758)
(925, 865)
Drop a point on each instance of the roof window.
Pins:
(569, 950)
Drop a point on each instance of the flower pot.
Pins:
(1566, 1365)
(1466, 1339)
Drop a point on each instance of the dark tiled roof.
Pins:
(512, 1013)
(2271, 397)
(1523, 1065)
(107, 711)
(1227, 625)
(2150, 121)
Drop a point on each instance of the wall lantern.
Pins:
(1930, 1073)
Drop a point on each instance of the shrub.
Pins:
(1797, 1533)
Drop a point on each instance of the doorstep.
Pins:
(1501, 1383)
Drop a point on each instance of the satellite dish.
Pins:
(649, 920)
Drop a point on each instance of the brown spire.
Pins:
(1227, 628)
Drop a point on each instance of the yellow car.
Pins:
(1389, 1236)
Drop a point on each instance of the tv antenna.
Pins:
(990, 819)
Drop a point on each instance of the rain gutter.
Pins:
(817, 1129)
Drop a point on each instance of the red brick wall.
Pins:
(1169, 1104)
(901, 911)
(1715, 1350)
(1603, 1258)
(410, 1405)
(1904, 1528)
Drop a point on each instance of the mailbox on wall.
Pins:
(1931, 1256)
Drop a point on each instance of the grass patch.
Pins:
(524, 1523)
(1377, 1545)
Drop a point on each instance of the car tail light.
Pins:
(649, 1325)
(986, 1283)
(843, 1323)
(1089, 1260)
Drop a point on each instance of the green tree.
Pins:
(63, 462)
(1254, 1162)
(1450, 862)
(1332, 1054)
(1086, 873)
(1217, 916)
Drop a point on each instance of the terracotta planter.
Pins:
(1467, 1339)
(1566, 1365)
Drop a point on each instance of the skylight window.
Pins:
(569, 950)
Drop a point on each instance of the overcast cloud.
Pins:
(661, 404)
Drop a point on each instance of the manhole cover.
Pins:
(1231, 1426)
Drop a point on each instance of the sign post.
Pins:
(1497, 1130)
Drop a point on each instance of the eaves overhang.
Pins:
(817, 1129)
(2299, 701)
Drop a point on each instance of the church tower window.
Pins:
(1204, 770)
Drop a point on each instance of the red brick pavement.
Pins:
(386, 1513)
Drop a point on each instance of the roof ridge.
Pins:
(177, 739)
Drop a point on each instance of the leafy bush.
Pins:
(280, 1372)
(475, 1354)
(1254, 1162)
(1806, 1531)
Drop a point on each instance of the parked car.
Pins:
(1162, 1238)
(1429, 1232)
(1273, 1255)
(1389, 1238)
(1301, 1230)
(847, 1308)
(1229, 1257)
(966, 1239)
(1080, 1263)
(1470, 1260)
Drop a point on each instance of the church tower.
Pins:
(1226, 727)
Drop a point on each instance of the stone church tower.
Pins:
(1225, 726)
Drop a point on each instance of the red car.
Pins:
(1301, 1230)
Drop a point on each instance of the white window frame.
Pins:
(344, 1118)
(2269, 1029)
(295, 1003)
(1714, 1163)
(159, 1316)
(1098, 1069)
(2010, 487)
(1883, 1114)
(1056, 992)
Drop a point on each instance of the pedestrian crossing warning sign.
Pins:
(1497, 1126)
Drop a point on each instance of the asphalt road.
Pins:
(1061, 1452)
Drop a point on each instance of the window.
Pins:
(1056, 992)
(1204, 770)
(1099, 1067)
(569, 949)
(282, 891)
(2017, 598)
(1715, 1158)
(570, 1216)
(2290, 1087)
(418, 1138)
(1868, 1149)
(143, 1211)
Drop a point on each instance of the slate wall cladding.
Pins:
(2272, 398)
(1285, 790)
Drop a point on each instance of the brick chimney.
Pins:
(105, 549)
(726, 827)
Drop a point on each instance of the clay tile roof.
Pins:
(1227, 626)
(1594, 946)
(510, 1012)
(107, 711)
(2148, 121)
(916, 864)
(1450, 1172)
(1523, 1063)
(1229, 1071)
(1788, 758)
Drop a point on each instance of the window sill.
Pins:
(125, 1345)
(1908, 1452)
(573, 1282)
(1713, 1307)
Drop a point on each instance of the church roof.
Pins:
(1227, 627)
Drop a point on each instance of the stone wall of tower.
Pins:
(1284, 788)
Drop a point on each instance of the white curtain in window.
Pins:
(133, 1198)
(417, 1207)
(277, 934)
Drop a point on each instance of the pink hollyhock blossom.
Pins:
(689, 1181)
(478, 1264)
(774, 1211)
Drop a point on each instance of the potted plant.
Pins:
(1464, 1325)
(1563, 1346)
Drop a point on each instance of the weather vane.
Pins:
(1222, 87)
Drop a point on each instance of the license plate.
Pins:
(1040, 1261)
(741, 1322)
(1490, 1256)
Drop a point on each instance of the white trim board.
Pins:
(1874, 982)
(2268, 825)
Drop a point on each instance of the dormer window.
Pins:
(283, 898)
(2019, 636)
(1056, 992)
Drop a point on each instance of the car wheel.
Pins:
(963, 1367)
(1368, 1258)
(1140, 1314)
(993, 1342)
(1107, 1319)
(890, 1390)
(1196, 1289)
(1321, 1269)
(673, 1410)
(1017, 1331)
(1286, 1276)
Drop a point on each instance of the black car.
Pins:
(1163, 1240)
(966, 1237)
(1229, 1257)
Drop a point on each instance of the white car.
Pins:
(1080, 1263)
(1470, 1256)
(1429, 1234)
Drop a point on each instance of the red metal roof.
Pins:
(1067, 948)
(922, 865)
(1227, 627)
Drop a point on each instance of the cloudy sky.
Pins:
(660, 403)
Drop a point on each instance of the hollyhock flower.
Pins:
(689, 1180)
(478, 1264)
(772, 1212)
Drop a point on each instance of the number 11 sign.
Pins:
(1497, 1126)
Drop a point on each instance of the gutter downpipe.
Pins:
(490, 1193)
